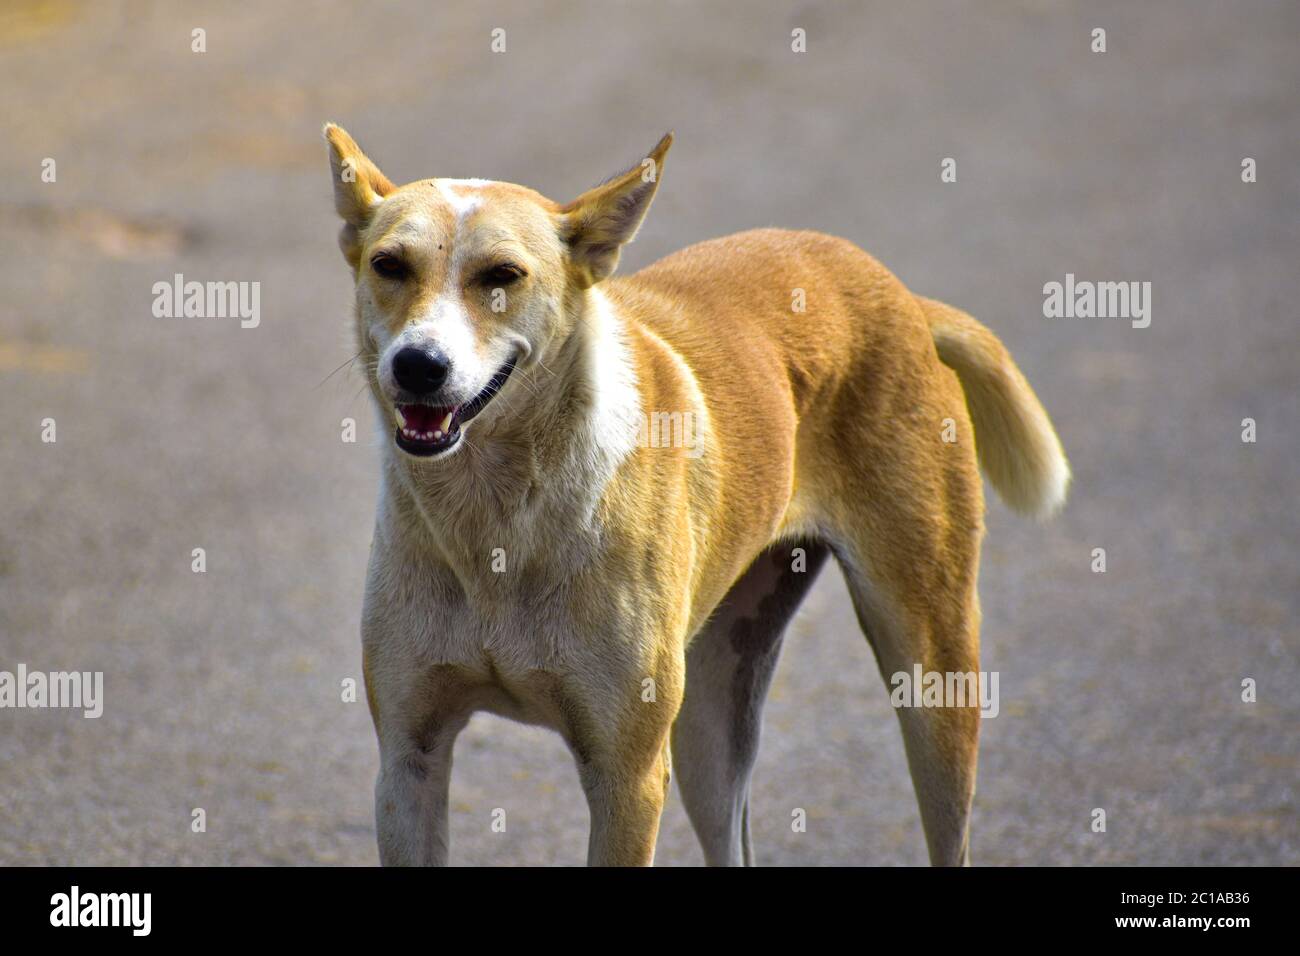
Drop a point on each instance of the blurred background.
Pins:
(1119, 690)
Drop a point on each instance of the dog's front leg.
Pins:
(625, 805)
(624, 760)
(411, 796)
(416, 723)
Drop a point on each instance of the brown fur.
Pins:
(822, 429)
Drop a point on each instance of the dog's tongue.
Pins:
(426, 418)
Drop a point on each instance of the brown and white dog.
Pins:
(542, 551)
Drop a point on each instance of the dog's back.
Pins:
(782, 327)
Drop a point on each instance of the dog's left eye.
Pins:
(503, 274)
(390, 267)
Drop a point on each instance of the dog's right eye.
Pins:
(390, 267)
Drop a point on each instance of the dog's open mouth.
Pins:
(424, 430)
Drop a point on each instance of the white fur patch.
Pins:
(617, 412)
(461, 195)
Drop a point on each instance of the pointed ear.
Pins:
(598, 223)
(358, 183)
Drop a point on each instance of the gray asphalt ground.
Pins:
(1119, 691)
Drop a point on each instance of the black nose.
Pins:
(420, 371)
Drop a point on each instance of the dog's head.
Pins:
(462, 283)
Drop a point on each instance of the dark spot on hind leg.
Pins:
(756, 637)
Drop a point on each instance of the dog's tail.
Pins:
(1014, 439)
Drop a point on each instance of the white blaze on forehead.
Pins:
(462, 195)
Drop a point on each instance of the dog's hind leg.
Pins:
(729, 668)
(936, 626)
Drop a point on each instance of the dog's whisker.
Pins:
(337, 370)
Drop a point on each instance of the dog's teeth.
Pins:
(437, 434)
(446, 422)
(401, 419)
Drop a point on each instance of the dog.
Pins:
(542, 554)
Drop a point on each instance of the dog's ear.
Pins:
(358, 183)
(598, 223)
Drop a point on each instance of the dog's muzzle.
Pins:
(427, 430)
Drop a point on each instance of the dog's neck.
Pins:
(528, 480)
